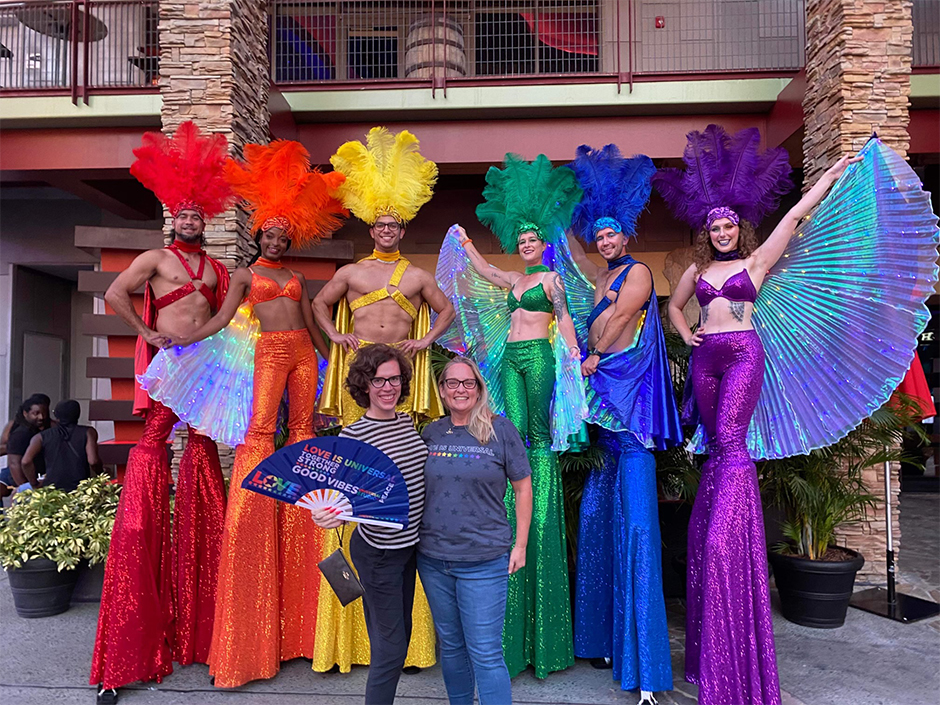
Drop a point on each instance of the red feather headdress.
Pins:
(281, 191)
(185, 171)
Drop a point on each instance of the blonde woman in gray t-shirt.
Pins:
(467, 549)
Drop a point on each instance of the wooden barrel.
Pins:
(433, 47)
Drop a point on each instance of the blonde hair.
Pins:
(480, 425)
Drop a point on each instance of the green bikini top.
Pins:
(533, 299)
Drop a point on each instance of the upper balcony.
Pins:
(85, 47)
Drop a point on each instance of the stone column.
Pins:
(858, 66)
(214, 70)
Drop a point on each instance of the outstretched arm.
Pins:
(492, 274)
(634, 294)
(118, 295)
(307, 312)
(322, 305)
(766, 255)
(560, 305)
(680, 297)
(436, 299)
(237, 291)
(587, 267)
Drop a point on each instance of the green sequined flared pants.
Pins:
(537, 630)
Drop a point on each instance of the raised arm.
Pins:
(91, 452)
(118, 295)
(559, 301)
(493, 275)
(322, 305)
(307, 312)
(680, 297)
(237, 291)
(766, 255)
(587, 267)
(27, 466)
(439, 302)
(633, 295)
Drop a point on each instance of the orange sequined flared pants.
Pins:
(266, 604)
(158, 603)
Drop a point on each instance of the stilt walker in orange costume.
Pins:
(157, 605)
(266, 603)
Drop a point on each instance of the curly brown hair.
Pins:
(367, 361)
(704, 253)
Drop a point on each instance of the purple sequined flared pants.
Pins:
(730, 651)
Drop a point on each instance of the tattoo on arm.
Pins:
(704, 314)
(559, 300)
(737, 310)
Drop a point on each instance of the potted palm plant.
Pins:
(47, 534)
(818, 493)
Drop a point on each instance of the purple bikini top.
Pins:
(738, 287)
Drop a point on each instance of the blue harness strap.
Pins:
(605, 302)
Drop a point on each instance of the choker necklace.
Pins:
(186, 247)
(727, 256)
(536, 268)
(386, 256)
(619, 262)
(265, 262)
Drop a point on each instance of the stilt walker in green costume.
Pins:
(526, 347)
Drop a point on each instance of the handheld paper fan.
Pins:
(354, 480)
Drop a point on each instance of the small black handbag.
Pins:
(340, 575)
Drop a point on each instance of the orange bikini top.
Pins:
(266, 289)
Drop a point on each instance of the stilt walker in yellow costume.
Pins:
(387, 182)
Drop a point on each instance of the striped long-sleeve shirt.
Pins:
(398, 439)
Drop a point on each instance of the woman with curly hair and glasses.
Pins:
(467, 552)
(385, 558)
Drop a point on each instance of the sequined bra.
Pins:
(266, 289)
(532, 299)
(383, 293)
(737, 287)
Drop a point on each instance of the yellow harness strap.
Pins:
(380, 294)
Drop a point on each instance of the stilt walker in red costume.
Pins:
(158, 604)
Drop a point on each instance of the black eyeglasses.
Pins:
(379, 382)
(391, 227)
(455, 383)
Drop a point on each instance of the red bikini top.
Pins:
(266, 289)
(188, 288)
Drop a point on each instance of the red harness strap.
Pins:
(187, 288)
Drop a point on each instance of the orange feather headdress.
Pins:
(185, 171)
(281, 191)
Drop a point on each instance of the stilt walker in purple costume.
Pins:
(785, 370)
(620, 613)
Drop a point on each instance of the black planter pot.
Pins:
(89, 584)
(40, 590)
(815, 593)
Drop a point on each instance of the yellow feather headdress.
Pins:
(385, 176)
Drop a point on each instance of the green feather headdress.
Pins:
(528, 196)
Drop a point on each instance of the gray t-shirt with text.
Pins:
(465, 483)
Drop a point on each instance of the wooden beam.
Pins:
(118, 238)
(104, 324)
(88, 193)
(114, 453)
(108, 410)
(109, 367)
(334, 250)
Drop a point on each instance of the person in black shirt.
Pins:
(31, 418)
(70, 451)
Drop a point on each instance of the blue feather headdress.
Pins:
(725, 172)
(616, 190)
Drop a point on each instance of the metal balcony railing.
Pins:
(80, 46)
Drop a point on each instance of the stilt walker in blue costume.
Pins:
(620, 612)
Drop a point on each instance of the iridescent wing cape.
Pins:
(481, 330)
(840, 313)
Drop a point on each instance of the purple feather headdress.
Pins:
(725, 172)
(616, 190)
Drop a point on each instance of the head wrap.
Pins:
(185, 171)
(281, 191)
(727, 172)
(616, 190)
(528, 197)
(385, 176)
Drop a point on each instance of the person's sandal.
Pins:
(107, 696)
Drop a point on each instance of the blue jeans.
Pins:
(468, 603)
